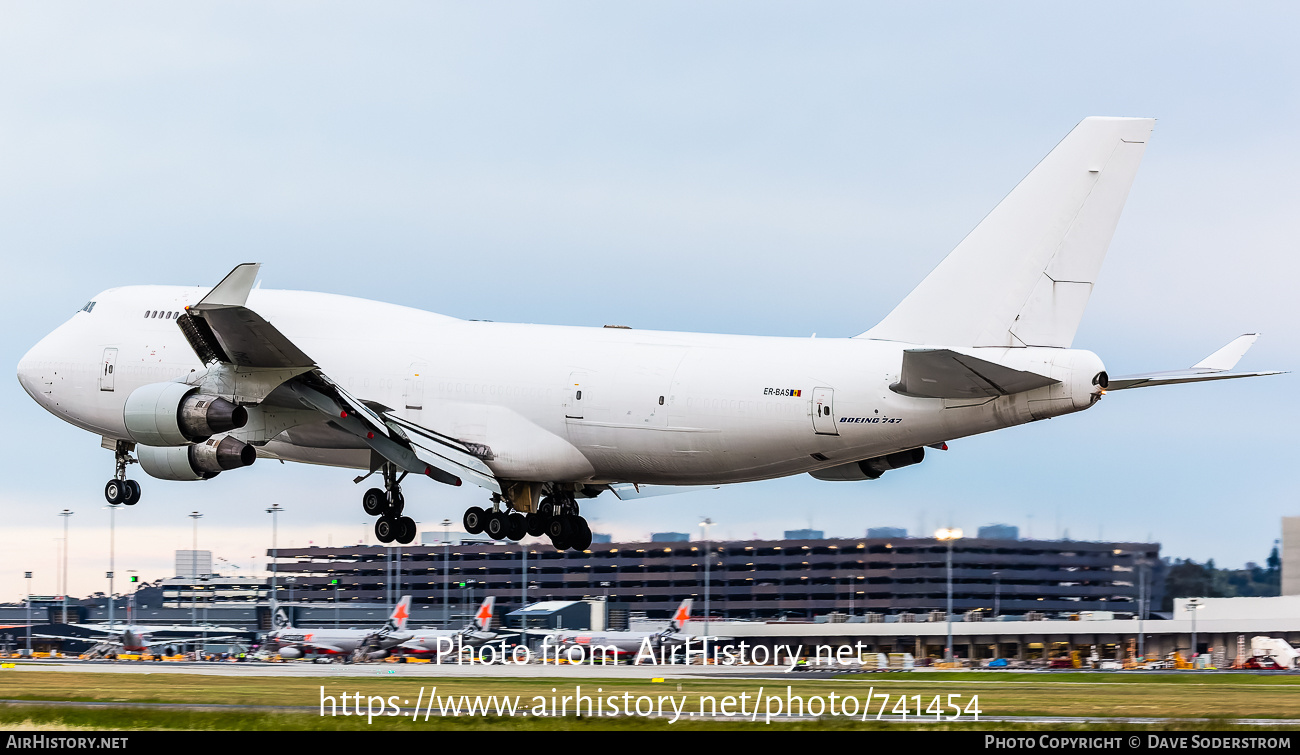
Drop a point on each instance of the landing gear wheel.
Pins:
(516, 527)
(581, 540)
(385, 529)
(132, 493)
(374, 501)
(474, 520)
(406, 530)
(115, 491)
(495, 525)
(535, 525)
(558, 527)
(395, 503)
(560, 531)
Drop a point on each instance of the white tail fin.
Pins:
(401, 613)
(483, 619)
(681, 616)
(281, 620)
(1023, 276)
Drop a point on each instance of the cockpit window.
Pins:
(89, 306)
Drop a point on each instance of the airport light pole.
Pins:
(194, 570)
(274, 511)
(997, 594)
(1192, 605)
(335, 582)
(446, 572)
(64, 616)
(949, 534)
(1142, 607)
(112, 553)
(705, 524)
(28, 576)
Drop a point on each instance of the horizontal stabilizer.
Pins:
(942, 373)
(1213, 367)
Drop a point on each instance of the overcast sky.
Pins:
(683, 166)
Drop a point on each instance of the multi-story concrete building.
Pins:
(756, 579)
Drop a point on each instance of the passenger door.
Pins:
(573, 406)
(106, 369)
(414, 388)
(824, 411)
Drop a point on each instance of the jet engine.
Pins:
(176, 414)
(201, 461)
(290, 653)
(870, 469)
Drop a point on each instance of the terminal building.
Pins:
(747, 580)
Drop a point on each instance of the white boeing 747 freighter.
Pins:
(191, 382)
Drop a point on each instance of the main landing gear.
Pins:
(557, 518)
(387, 504)
(119, 489)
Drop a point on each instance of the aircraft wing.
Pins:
(943, 373)
(221, 329)
(1216, 366)
(160, 642)
(99, 640)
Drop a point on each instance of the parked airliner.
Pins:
(191, 382)
(293, 642)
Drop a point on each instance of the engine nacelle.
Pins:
(290, 653)
(201, 461)
(870, 469)
(176, 414)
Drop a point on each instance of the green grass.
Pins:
(1214, 695)
(56, 718)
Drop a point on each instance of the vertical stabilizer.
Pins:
(681, 616)
(483, 619)
(401, 613)
(1023, 276)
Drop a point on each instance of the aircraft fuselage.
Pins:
(554, 403)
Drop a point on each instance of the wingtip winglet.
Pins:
(233, 289)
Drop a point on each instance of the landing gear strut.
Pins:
(387, 504)
(557, 517)
(119, 489)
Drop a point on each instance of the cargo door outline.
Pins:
(108, 365)
(823, 410)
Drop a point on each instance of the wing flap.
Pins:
(631, 491)
(943, 373)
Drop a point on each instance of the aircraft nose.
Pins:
(28, 370)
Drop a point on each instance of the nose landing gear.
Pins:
(119, 489)
(387, 504)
